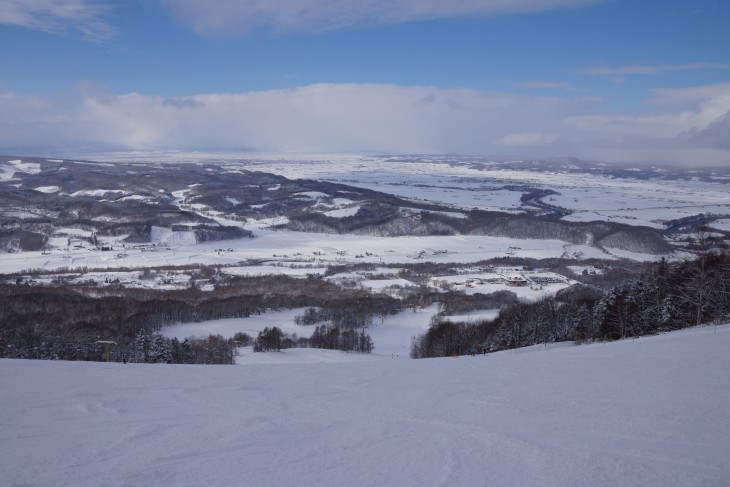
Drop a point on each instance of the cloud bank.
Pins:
(231, 17)
(686, 124)
(635, 69)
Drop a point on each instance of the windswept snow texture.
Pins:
(646, 412)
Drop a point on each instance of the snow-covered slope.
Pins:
(645, 412)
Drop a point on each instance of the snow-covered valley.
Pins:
(430, 257)
(70, 221)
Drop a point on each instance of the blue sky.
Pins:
(599, 79)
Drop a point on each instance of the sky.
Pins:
(608, 80)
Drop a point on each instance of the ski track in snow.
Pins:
(643, 412)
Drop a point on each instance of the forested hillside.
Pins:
(667, 297)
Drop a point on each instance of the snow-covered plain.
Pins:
(466, 186)
(646, 412)
(301, 247)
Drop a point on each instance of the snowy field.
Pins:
(251, 325)
(646, 412)
(391, 334)
(318, 250)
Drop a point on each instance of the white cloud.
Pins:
(548, 85)
(387, 118)
(235, 16)
(698, 107)
(715, 135)
(649, 69)
(696, 94)
(527, 140)
(84, 16)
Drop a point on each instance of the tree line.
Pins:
(62, 322)
(329, 337)
(669, 296)
(66, 322)
(155, 348)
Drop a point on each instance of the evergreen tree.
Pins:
(160, 350)
(142, 347)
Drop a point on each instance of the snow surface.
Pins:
(166, 235)
(473, 316)
(473, 283)
(26, 167)
(343, 212)
(721, 225)
(311, 194)
(47, 189)
(646, 412)
(98, 192)
(6, 172)
(136, 197)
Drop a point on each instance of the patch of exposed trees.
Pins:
(347, 340)
(351, 313)
(155, 348)
(270, 339)
(45, 343)
(668, 297)
(329, 337)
